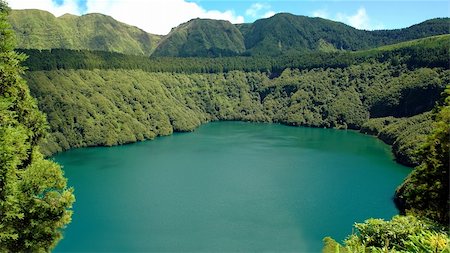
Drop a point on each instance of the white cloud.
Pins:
(69, 6)
(268, 14)
(254, 9)
(259, 10)
(359, 20)
(157, 16)
(152, 16)
(320, 14)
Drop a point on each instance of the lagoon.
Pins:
(228, 187)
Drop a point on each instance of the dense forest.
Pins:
(99, 98)
(425, 52)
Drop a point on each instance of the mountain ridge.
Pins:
(283, 33)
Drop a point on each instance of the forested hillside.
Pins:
(108, 107)
(38, 29)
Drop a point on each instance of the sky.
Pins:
(159, 16)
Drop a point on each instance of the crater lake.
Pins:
(228, 187)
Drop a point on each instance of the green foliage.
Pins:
(34, 199)
(428, 241)
(38, 29)
(410, 96)
(401, 234)
(425, 191)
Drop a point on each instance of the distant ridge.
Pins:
(286, 32)
(283, 33)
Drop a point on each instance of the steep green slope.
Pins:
(41, 30)
(286, 32)
(425, 192)
(202, 37)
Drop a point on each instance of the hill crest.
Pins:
(283, 33)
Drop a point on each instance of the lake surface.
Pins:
(228, 187)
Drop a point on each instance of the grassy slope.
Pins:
(428, 42)
(41, 30)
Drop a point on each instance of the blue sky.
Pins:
(159, 16)
(391, 14)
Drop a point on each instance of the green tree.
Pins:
(400, 234)
(34, 198)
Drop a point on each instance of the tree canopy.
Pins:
(34, 199)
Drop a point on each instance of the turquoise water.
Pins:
(228, 187)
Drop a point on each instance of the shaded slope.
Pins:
(285, 32)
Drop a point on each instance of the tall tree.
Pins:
(34, 199)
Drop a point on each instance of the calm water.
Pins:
(227, 187)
